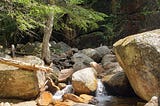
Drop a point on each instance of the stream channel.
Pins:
(107, 100)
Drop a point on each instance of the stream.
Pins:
(101, 97)
(107, 100)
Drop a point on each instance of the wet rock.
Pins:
(139, 55)
(86, 98)
(64, 103)
(92, 53)
(118, 84)
(64, 74)
(84, 81)
(152, 102)
(45, 98)
(73, 97)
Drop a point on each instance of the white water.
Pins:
(58, 95)
(101, 93)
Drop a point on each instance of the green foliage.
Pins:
(26, 15)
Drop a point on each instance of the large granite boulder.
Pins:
(139, 56)
(84, 81)
(21, 83)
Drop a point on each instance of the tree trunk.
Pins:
(46, 38)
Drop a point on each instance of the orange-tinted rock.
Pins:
(64, 103)
(73, 97)
(86, 98)
(45, 98)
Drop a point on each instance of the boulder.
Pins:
(103, 50)
(80, 57)
(139, 56)
(153, 102)
(107, 60)
(84, 81)
(118, 84)
(73, 97)
(97, 67)
(21, 83)
(79, 65)
(64, 74)
(110, 64)
(26, 103)
(92, 53)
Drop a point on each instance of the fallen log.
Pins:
(24, 65)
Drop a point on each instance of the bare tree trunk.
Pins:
(46, 38)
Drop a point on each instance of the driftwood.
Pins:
(24, 65)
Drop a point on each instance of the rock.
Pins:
(58, 96)
(73, 97)
(59, 47)
(45, 98)
(64, 74)
(107, 60)
(103, 50)
(86, 98)
(153, 102)
(62, 85)
(92, 53)
(80, 57)
(78, 66)
(97, 67)
(64, 103)
(27, 103)
(20, 83)
(51, 87)
(6, 104)
(93, 40)
(82, 104)
(139, 55)
(110, 64)
(30, 59)
(29, 49)
(53, 74)
(118, 84)
(84, 81)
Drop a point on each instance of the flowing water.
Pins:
(106, 100)
(58, 95)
